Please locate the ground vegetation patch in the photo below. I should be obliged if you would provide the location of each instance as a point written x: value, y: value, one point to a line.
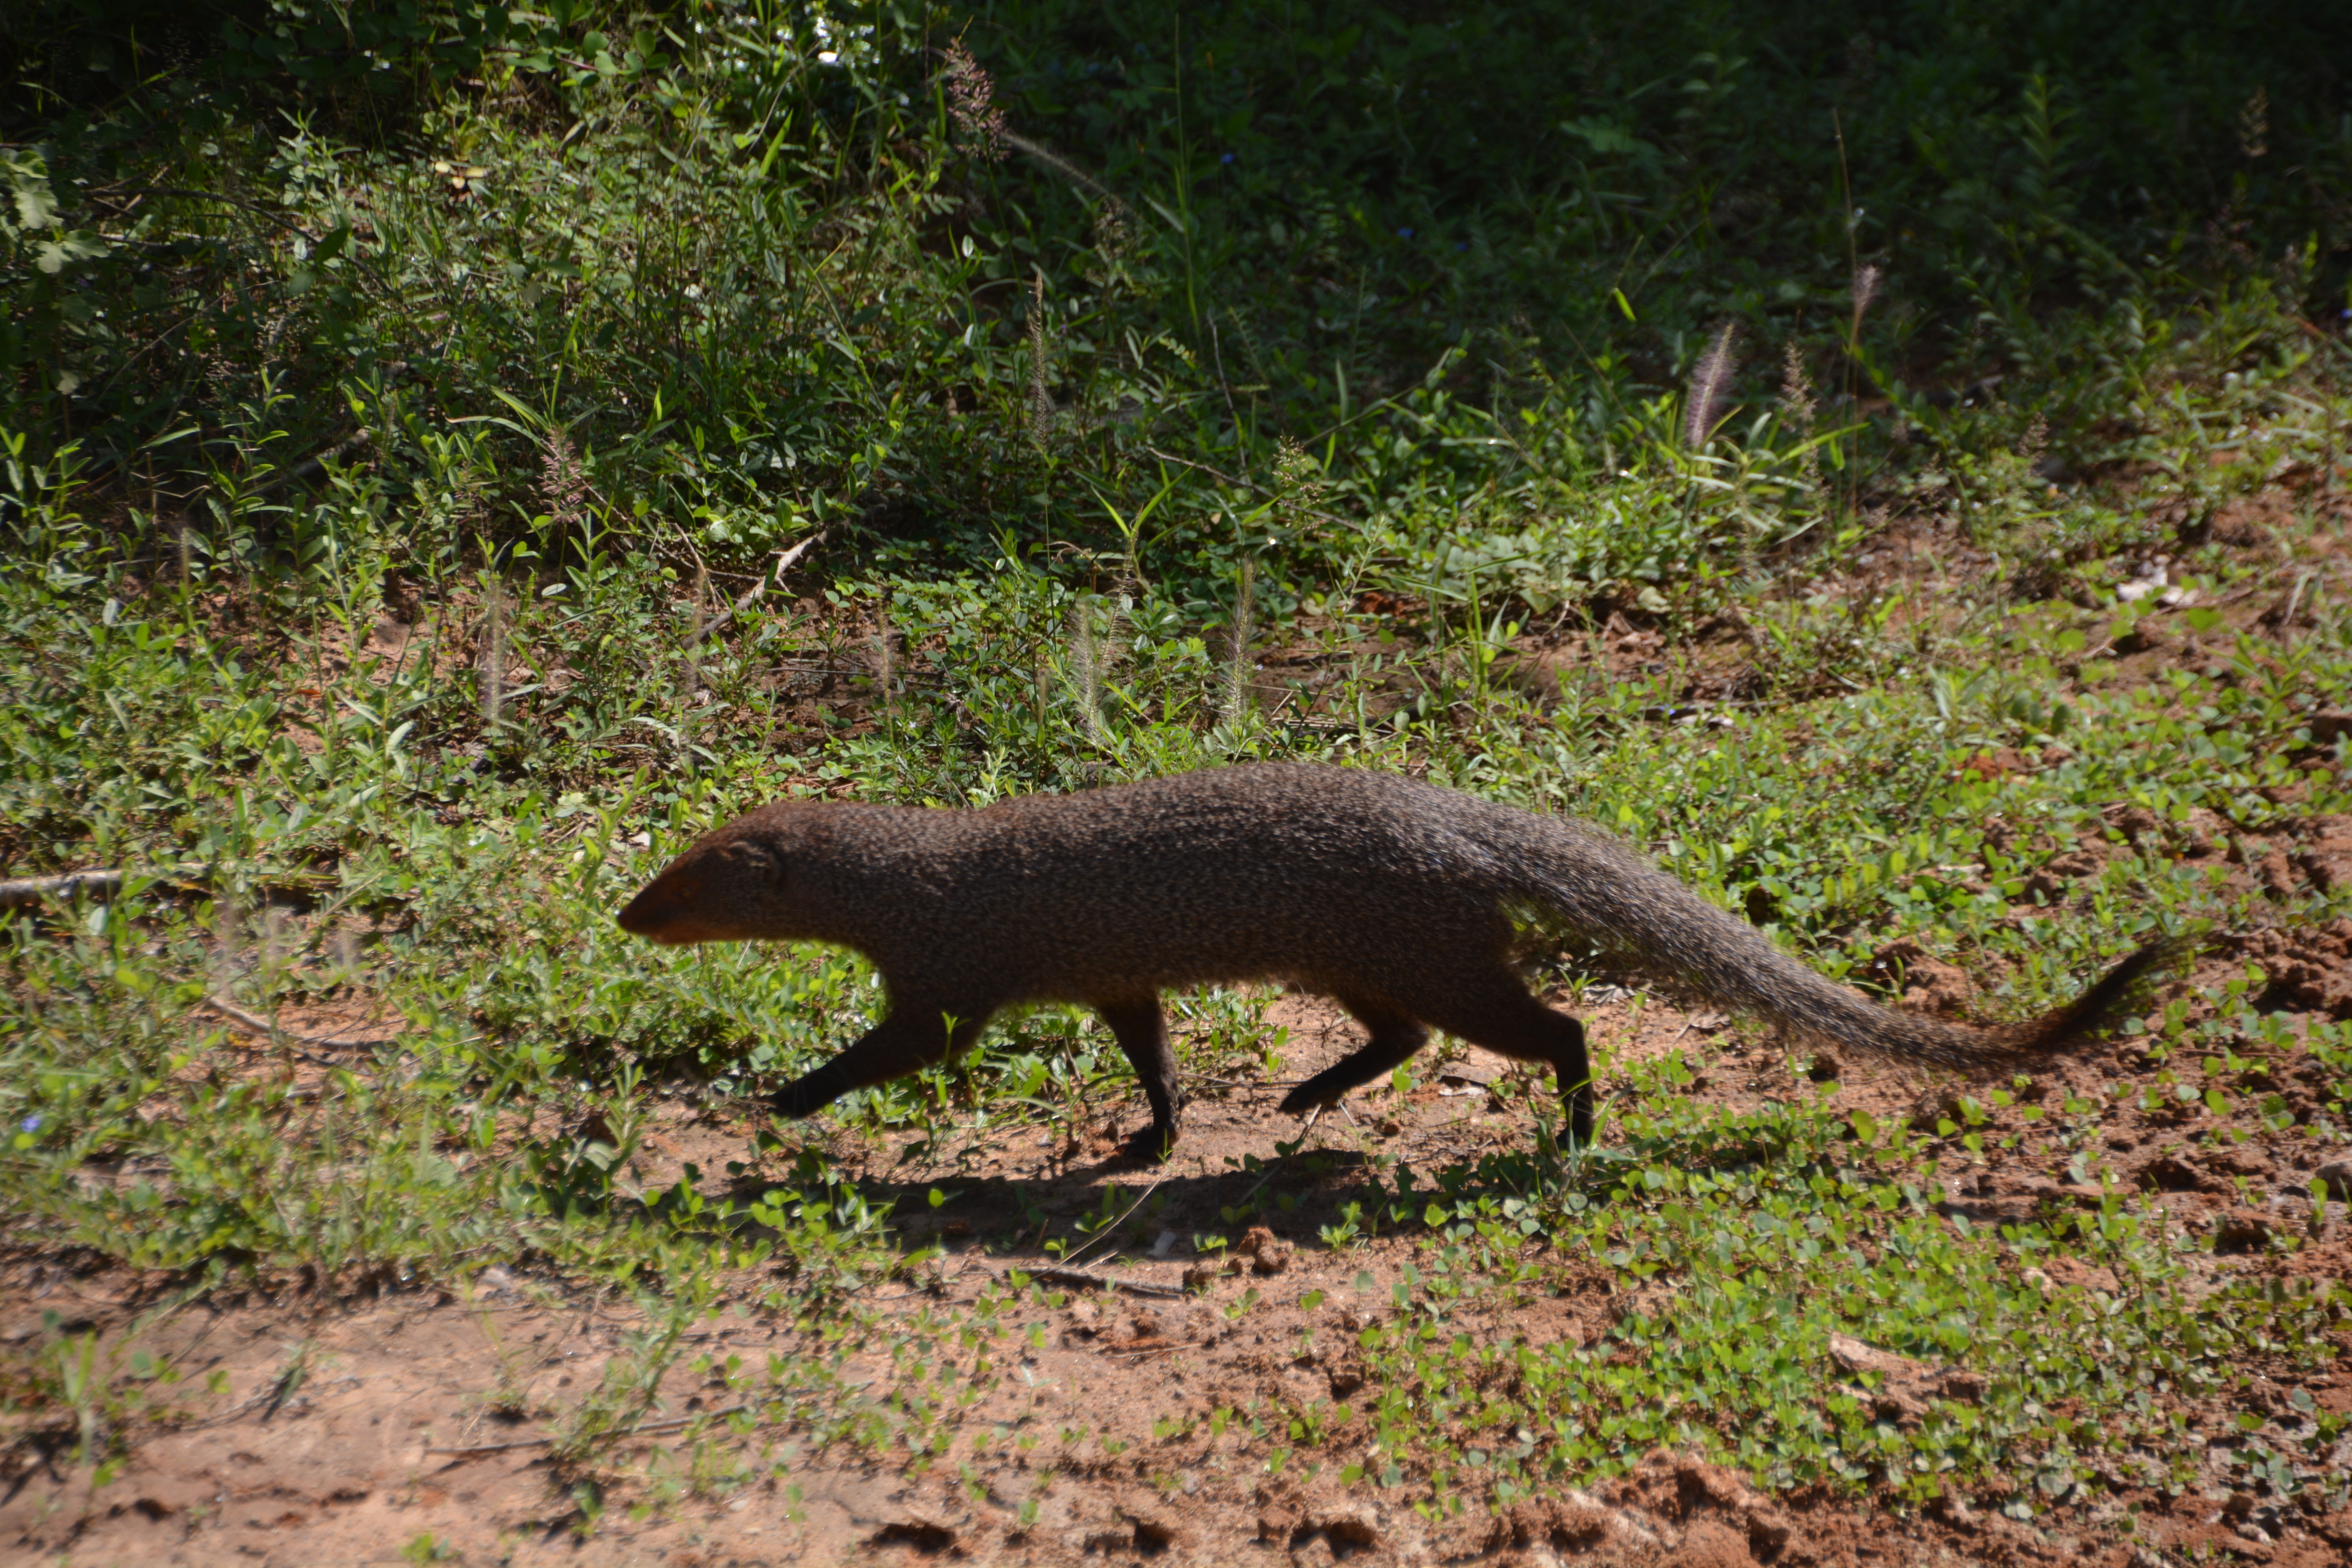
x: 453, y: 457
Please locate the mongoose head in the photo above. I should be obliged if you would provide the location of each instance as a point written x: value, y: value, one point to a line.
x: 732, y: 886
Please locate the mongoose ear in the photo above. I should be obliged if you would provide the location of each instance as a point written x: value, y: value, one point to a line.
x: 757, y: 858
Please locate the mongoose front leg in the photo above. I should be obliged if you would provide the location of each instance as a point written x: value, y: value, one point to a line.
x: 910, y: 1037
x: 1395, y: 1038
x: 1141, y: 1030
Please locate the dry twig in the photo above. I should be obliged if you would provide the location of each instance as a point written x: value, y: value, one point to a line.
x: 784, y: 562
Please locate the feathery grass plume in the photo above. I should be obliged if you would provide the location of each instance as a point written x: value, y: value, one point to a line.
x: 1865, y: 289
x: 1710, y: 387
x: 1237, y: 642
x: 2254, y: 125
x: 1866, y: 278
x: 1797, y: 398
x: 2035, y: 441
x: 1062, y: 166
x: 562, y: 487
x: 972, y: 101
x: 1113, y: 236
x: 1041, y: 403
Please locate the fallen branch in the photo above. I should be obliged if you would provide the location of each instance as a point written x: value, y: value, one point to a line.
x: 33, y: 890
x: 666, y: 1423
x: 1109, y: 1230
x: 1080, y: 1277
x: 784, y: 562
x: 641, y: 1429
x: 108, y: 882
x: 495, y: 1447
x: 1244, y: 1082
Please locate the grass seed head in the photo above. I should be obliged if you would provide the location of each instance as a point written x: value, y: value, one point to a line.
x: 1710, y: 386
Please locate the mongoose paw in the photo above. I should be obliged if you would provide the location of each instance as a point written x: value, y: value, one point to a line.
x: 1152, y: 1144
x: 810, y: 1092
x: 793, y: 1101
x: 1304, y: 1098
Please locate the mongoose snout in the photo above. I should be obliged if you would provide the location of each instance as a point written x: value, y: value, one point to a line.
x: 664, y: 913
x: 1408, y: 903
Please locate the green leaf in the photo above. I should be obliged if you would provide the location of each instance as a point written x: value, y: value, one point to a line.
x: 52, y: 255
x: 36, y: 206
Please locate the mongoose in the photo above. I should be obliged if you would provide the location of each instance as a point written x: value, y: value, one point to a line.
x: 1406, y: 903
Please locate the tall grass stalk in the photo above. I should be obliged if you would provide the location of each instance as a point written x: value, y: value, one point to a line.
x: 1086, y: 672
x: 1237, y: 643
x: 1041, y: 402
x: 689, y: 707
x: 492, y: 665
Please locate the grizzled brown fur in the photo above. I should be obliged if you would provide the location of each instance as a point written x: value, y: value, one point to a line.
x: 1406, y: 903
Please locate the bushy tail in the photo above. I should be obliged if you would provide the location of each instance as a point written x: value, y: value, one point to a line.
x: 1590, y: 888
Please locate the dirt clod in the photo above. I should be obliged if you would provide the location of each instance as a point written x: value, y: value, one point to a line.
x: 1269, y: 1253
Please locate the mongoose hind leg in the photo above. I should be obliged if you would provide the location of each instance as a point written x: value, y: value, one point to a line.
x: 910, y: 1038
x: 1502, y: 1017
x: 1141, y: 1030
x: 1395, y: 1038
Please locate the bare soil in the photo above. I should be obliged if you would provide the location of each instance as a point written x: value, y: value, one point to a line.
x: 414, y: 1420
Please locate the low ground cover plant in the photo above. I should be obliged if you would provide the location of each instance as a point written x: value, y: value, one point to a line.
x: 451, y: 457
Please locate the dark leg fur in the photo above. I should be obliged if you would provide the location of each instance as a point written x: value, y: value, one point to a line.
x: 1394, y: 1039
x: 910, y: 1037
x: 1141, y: 1030
x: 1499, y: 1016
x: 1505, y: 1019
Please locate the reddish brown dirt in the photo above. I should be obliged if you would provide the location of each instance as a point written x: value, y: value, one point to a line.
x: 417, y: 1415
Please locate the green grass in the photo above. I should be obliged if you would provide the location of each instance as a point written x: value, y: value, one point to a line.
x: 1394, y: 389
